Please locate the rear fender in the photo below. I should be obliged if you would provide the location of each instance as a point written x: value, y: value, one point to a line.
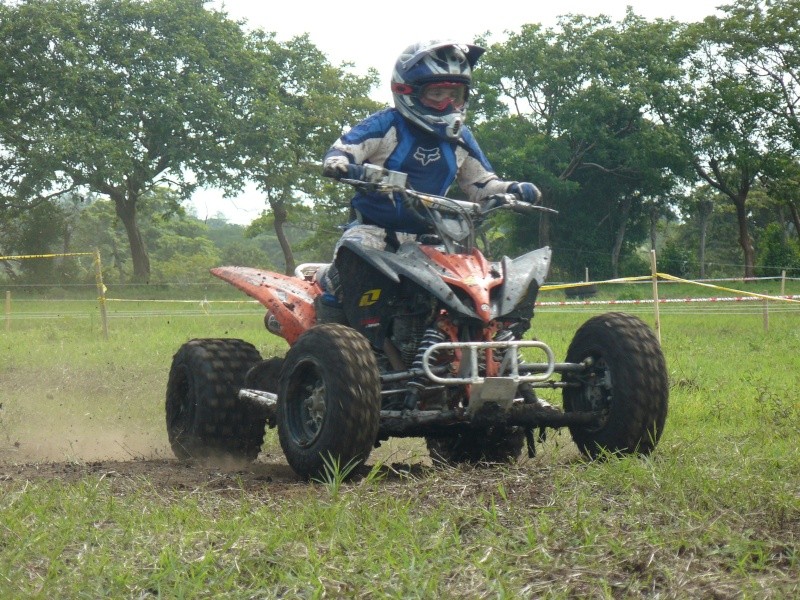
x: 289, y: 299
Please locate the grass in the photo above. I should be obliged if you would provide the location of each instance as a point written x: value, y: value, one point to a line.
x: 713, y: 513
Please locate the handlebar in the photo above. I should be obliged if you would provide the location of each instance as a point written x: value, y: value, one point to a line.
x: 377, y: 179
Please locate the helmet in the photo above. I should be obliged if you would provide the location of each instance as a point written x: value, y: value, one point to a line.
x: 431, y: 83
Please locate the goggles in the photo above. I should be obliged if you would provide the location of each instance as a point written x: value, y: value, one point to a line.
x: 441, y: 95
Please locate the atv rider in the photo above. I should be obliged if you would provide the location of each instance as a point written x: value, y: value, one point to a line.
x: 424, y: 136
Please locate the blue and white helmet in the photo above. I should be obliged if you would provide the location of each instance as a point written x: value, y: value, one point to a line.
x: 435, y: 62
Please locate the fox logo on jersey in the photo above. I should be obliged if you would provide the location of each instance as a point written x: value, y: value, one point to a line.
x: 427, y: 155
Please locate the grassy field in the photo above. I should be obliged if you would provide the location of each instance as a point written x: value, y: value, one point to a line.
x: 92, y: 504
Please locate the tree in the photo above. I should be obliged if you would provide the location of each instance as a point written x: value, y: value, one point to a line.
x: 181, y: 250
x: 569, y: 109
x: 699, y: 206
x: 724, y: 112
x: 120, y: 96
x: 784, y: 188
x: 763, y: 38
x: 33, y: 232
x: 777, y: 253
x: 316, y: 101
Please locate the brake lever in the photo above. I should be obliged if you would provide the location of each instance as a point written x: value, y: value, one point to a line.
x: 513, y: 202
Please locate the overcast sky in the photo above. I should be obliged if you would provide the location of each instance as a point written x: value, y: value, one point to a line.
x: 372, y: 34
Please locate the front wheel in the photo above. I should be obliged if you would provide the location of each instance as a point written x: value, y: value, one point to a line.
x: 626, y: 385
x: 205, y: 418
x: 329, y: 400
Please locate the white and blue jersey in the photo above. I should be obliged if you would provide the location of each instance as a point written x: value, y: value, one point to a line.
x: 432, y: 164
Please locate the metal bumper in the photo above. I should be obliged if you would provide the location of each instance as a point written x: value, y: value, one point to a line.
x: 470, y: 370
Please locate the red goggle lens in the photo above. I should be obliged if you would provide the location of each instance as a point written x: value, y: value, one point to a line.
x: 442, y: 95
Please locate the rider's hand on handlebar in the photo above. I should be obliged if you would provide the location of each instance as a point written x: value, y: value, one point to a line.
x: 335, y: 166
x: 527, y: 192
x: 493, y: 202
x: 339, y: 167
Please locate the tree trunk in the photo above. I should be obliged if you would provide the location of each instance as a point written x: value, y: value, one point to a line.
x: 739, y: 198
x: 619, y: 237
x: 279, y: 211
x: 653, y: 225
x: 126, y: 211
x: 744, y: 236
x: 706, y: 207
x: 795, y: 217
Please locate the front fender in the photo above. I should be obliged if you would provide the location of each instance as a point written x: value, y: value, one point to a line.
x: 520, y: 274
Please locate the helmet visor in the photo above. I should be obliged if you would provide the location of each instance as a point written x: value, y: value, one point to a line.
x: 441, y: 95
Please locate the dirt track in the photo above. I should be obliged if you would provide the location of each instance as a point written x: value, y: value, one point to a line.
x: 158, y: 469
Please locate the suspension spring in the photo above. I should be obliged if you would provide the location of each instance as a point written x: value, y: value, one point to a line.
x: 432, y: 336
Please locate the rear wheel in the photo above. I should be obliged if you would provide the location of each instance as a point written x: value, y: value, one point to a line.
x: 204, y: 416
x: 626, y: 384
x: 329, y: 400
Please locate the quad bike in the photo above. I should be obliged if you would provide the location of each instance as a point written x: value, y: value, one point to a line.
x: 433, y: 347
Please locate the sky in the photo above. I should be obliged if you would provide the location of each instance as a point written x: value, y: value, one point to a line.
x: 372, y: 34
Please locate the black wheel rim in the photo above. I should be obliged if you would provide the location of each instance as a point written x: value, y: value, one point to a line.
x: 596, y: 392
x: 306, y: 404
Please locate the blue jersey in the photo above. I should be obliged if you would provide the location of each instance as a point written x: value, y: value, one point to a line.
x: 432, y: 164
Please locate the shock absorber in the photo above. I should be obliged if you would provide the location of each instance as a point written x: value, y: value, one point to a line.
x: 504, y: 335
x: 432, y: 336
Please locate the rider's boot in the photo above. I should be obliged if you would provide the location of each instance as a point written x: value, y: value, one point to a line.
x: 328, y: 305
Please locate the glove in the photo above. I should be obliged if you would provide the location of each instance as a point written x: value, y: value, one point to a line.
x: 335, y: 166
x: 339, y: 167
x: 527, y: 192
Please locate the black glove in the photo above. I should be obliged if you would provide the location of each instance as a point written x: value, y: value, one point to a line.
x: 527, y: 192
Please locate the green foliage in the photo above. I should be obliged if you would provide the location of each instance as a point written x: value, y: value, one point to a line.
x: 777, y: 253
x: 335, y: 474
x: 678, y: 260
x: 36, y: 232
x: 578, y: 96
x: 116, y: 98
x: 246, y: 253
x: 634, y: 264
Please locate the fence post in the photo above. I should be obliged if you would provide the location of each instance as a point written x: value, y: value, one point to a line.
x: 654, y: 272
x: 783, y: 282
x: 101, y: 292
x: 8, y: 310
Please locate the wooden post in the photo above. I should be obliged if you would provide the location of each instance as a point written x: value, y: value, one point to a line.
x: 783, y: 282
x: 8, y: 310
x: 586, y: 277
x: 654, y: 272
x: 101, y: 292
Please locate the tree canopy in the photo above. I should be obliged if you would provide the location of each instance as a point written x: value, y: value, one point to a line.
x: 114, y: 111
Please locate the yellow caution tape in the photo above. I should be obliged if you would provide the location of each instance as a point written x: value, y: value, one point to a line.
x: 666, y: 277
x: 564, y: 286
x: 46, y: 255
x: 207, y: 302
x: 725, y: 289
